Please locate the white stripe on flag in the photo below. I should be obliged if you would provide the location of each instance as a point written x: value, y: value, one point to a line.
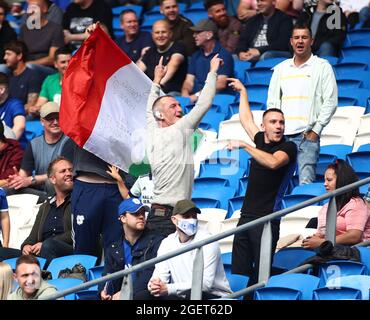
x: 120, y: 127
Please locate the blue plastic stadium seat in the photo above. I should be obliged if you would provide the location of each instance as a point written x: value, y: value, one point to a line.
x: 223, y: 101
x: 358, y: 37
x: 254, y: 105
x: 344, y: 101
x: 184, y: 101
x: 224, y: 156
x: 216, y: 193
x: 338, y: 150
x: 237, y: 282
x: 360, y: 282
x: 204, y: 183
x: 290, y: 258
x: 269, y: 63
x: 235, y: 203
x: 277, y: 293
x: 33, y: 129
x: 243, y: 182
x: 230, y: 171
x: 340, y: 268
x: 360, y: 94
x: 257, y: 92
x: 138, y: 10
x: 315, y: 189
x: 293, y: 199
x: 347, y: 68
x: 66, y: 283
x: 359, y: 161
x: 356, y: 54
x: 258, y: 75
x: 226, y: 258
x: 202, y: 202
x: 342, y: 293
x: 239, y: 69
x: 211, y: 121
x: 364, y: 147
x: 195, y: 15
x: 297, y: 281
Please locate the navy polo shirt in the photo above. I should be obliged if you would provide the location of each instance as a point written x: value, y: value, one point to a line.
x: 199, y: 65
x: 133, y: 48
x: 53, y: 224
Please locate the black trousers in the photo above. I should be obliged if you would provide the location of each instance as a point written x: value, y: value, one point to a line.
x: 246, y: 248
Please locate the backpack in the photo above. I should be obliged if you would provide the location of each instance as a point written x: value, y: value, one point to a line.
x: 78, y: 272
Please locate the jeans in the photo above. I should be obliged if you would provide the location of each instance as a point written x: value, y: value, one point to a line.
x: 308, y: 154
x: 52, y: 248
x: 326, y: 49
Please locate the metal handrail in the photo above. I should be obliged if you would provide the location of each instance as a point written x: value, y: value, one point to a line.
x: 198, y: 244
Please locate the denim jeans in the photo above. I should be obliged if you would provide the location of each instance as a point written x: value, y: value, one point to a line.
x: 308, y: 154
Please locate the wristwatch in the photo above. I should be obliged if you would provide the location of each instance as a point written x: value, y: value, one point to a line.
x: 33, y: 180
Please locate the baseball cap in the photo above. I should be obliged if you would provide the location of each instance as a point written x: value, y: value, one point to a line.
x: 131, y: 205
x: 205, y: 25
x: 48, y: 108
x: 183, y: 206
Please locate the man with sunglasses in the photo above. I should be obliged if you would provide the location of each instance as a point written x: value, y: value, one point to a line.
x: 32, y: 177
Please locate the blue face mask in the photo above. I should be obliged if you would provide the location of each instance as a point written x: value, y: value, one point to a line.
x: 188, y: 226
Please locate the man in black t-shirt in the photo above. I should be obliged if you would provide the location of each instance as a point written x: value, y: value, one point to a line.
x: 272, y: 165
x: 174, y: 58
x: 82, y: 13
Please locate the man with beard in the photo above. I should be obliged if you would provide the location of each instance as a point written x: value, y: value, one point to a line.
x: 180, y: 26
x: 24, y: 83
x: 228, y: 27
x: 50, y: 236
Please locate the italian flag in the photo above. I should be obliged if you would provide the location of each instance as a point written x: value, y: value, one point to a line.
x: 104, y: 96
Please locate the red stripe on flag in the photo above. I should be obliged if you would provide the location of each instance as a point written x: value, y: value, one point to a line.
x: 84, y: 84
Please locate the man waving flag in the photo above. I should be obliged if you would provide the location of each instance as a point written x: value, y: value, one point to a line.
x: 103, y: 103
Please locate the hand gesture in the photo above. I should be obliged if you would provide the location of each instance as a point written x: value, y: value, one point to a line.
x: 91, y: 28
x: 236, y: 84
x: 159, y: 71
x: 114, y: 173
x: 215, y: 63
x: 235, y: 144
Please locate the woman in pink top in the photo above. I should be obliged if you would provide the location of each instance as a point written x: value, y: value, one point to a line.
x: 353, y: 223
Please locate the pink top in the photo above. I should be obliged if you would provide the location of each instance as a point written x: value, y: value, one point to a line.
x: 354, y: 215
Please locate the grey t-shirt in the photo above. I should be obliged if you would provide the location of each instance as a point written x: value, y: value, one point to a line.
x: 39, y: 41
x: 315, y: 22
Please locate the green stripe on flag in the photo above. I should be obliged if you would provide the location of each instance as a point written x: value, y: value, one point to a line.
x: 139, y: 169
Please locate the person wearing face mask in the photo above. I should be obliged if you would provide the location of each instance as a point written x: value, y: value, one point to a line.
x: 172, y: 278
